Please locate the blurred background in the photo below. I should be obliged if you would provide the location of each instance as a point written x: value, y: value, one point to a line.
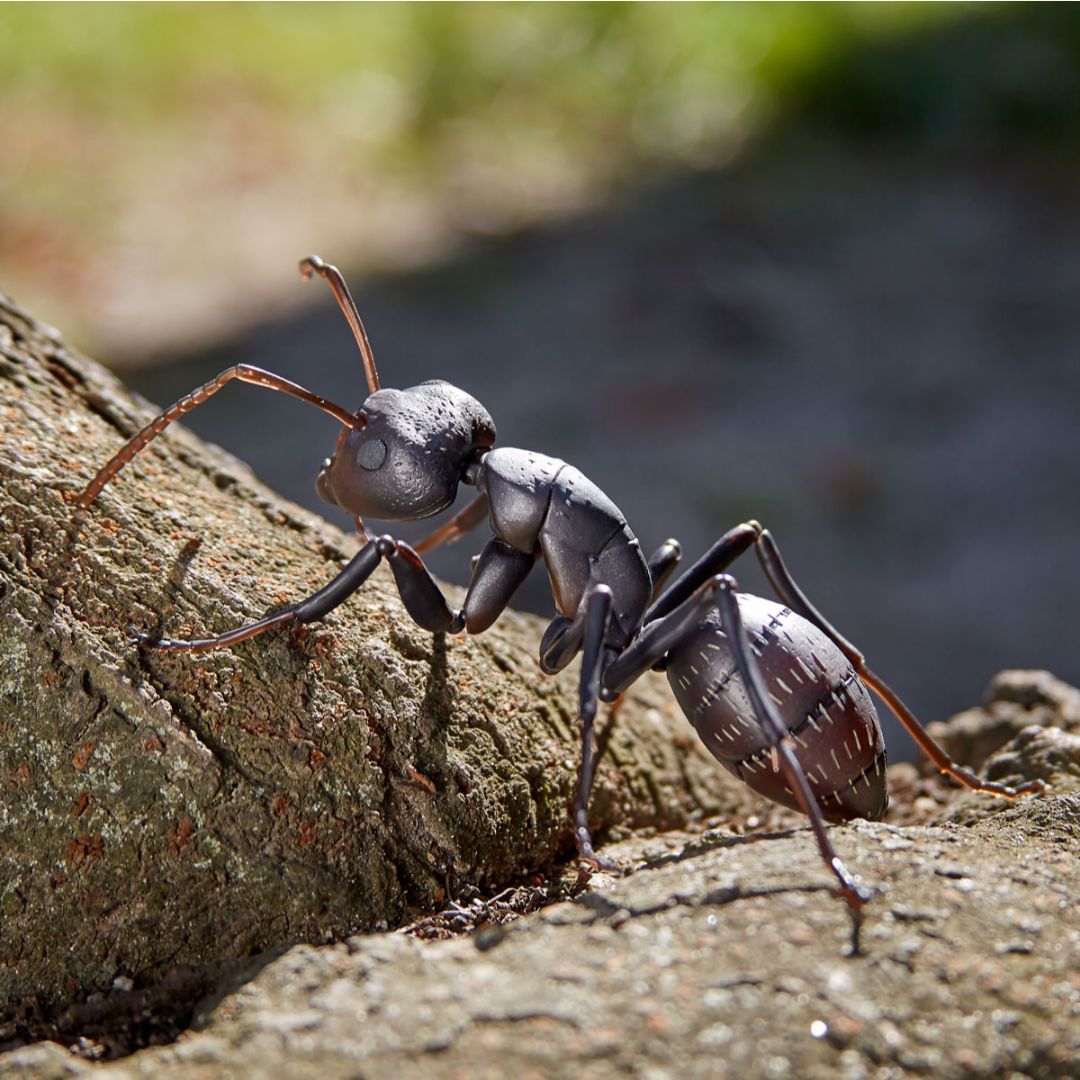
x: 815, y: 264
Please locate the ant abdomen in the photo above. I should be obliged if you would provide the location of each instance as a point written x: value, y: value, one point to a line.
x: 830, y: 718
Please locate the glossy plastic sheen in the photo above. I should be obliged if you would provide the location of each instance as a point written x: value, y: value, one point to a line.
x: 540, y: 504
x: 830, y: 717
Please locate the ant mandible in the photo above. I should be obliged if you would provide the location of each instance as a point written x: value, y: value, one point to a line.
x: 777, y: 695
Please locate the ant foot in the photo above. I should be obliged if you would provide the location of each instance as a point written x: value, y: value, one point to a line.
x: 1029, y: 787
x: 588, y: 857
x: 595, y: 864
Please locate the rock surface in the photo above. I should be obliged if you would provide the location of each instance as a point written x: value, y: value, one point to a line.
x: 720, y: 956
x: 1014, y: 700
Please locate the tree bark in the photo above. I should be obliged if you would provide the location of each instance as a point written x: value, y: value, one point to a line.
x: 159, y: 810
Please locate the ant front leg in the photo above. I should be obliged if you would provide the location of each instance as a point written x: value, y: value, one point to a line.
x: 356, y: 572
x: 422, y: 597
x: 500, y: 570
x: 419, y: 592
x: 456, y: 527
x: 788, y: 591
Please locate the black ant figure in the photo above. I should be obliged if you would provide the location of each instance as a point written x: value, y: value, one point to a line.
x: 775, y: 692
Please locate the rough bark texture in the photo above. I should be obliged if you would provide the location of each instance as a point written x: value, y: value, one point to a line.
x: 160, y: 811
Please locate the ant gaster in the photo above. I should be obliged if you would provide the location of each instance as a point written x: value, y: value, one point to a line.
x: 777, y: 695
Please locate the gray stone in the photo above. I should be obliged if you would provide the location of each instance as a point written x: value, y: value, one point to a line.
x: 729, y: 962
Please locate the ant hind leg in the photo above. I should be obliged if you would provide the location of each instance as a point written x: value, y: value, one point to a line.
x: 788, y: 591
x: 597, y: 607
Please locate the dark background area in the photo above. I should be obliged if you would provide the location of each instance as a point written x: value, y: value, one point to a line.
x: 853, y: 316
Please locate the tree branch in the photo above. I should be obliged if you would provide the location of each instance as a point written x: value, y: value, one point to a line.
x: 159, y: 809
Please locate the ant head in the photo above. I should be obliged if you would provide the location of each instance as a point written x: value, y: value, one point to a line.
x: 405, y: 451
x: 407, y: 459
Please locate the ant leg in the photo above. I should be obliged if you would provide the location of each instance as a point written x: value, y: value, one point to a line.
x: 498, y: 575
x: 356, y: 572
x: 561, y: 641
x: 230, y: 637
x: 718, y: 558
x: 784, y: 585
x: 243, y: 372
x: 421, y: 595
x: 727, y: 602
x: 793, y: 596
x: 500, y: 569
x: 654, y: 641
x: 662, y: 565
x: 597, y: 617
x: 456, y: 527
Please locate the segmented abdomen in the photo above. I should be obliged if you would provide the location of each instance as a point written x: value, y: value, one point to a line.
x: 828, y: 712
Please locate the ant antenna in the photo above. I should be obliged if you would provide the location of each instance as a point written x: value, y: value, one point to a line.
x: 312, y: 264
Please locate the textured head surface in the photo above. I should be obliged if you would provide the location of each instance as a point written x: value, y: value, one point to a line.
x: 407, y: 460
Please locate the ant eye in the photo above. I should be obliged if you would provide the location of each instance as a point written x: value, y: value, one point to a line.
x: 371, y: 455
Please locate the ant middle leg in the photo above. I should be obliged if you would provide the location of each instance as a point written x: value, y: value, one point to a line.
x: 564, y: 638
x: 655, y: 640
x: 662, y: 564
x: 561, y: 642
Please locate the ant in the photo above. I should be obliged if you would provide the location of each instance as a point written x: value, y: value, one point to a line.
x: 777, y: 694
